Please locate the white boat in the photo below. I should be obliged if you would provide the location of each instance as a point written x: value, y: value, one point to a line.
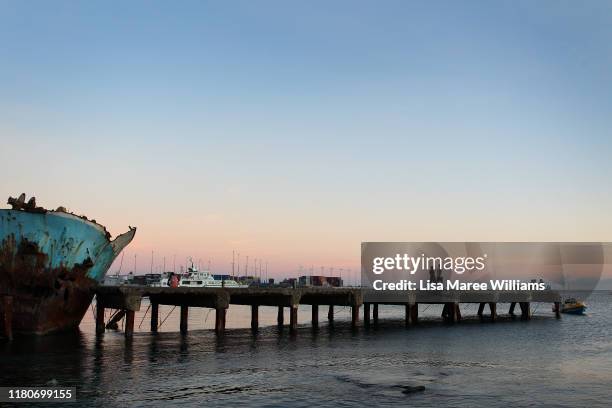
x: 163, y: 281
x: 203, y: 279
x: 115, y: 280
x: 194, y: 278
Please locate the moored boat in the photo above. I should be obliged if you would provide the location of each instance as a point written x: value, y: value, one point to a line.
x: 573, y: 306
x: 195, y: 278
x: 203, y: 279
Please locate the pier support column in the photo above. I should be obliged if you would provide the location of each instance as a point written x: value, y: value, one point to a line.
x: 220, y: 315
x: 557, y: 309
x: 448, y: 312
x: 414, y: 313
x: 315, y: 316
x: 293, y: 319
x: 184, y: 319
x: 330, y: 314
x: 366, y: 314
x: 7, y: 318
x: 493, y: 309
x: 511, y: 311
x: 129, y: 323
x: 525, y: 310
x: 375, y: 314
x: 280, y: 316
x: 354, y: 315
x: 407, y: 317
x: 254, y: 317
x: 154, y: 317
x: 481, y: 309
x: 100, y: 325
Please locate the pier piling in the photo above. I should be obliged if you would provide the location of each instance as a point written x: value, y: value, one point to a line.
x: 407, y: 317
x: 280, y: 317
x: 414, y: 313
x: 330, y: 314
x: 154, y: 316
x: 481, y: 309
x: 293, y: 319
x: 375, y: 314
x: 493, y: 309
x: 220, y: 316
x: 451, y: 313
x: 184, y: 319
x: 315, y: 316
x: 525, y: 310
x: 100, y: 324
x: 511, y: 311
x: 447, y: 314
x: 254, y: 317
x: 366, y: 314
x: 354, y: 315
x: 129, y: 324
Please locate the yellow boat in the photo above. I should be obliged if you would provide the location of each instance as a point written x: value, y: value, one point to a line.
x: 573, y: 306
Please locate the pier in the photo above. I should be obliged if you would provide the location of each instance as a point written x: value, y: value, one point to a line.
x: 127, y: 299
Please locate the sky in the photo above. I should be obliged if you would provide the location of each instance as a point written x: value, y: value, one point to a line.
x: 292, y: 131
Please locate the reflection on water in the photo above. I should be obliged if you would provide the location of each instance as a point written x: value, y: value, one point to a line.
x: 543, y: 361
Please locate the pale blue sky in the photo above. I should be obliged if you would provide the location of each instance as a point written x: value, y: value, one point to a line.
x: 295, y: 130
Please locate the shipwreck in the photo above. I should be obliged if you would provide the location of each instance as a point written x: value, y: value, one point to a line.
x: 50, y: 262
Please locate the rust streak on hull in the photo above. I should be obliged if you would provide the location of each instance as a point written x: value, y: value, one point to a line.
x: 44, y: 299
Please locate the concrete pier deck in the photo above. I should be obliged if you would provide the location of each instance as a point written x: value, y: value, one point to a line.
x: 127, y: 298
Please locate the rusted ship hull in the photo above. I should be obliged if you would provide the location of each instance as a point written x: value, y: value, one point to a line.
x: 49, y: 263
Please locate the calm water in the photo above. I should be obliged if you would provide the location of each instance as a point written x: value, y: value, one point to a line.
x: 540, y: 362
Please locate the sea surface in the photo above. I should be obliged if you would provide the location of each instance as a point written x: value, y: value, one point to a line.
x: 541, y: 362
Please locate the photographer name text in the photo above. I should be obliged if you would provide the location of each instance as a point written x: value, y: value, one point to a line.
x: 493, y: 284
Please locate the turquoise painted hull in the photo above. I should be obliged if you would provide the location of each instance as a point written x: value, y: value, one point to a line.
x: 49, y: 263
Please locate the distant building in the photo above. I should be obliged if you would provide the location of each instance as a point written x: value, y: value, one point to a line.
x: 247, y: 280
x: 318, y: 280
x: 289, y: 282
x: 145, y: 280
x: 335, y: 281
